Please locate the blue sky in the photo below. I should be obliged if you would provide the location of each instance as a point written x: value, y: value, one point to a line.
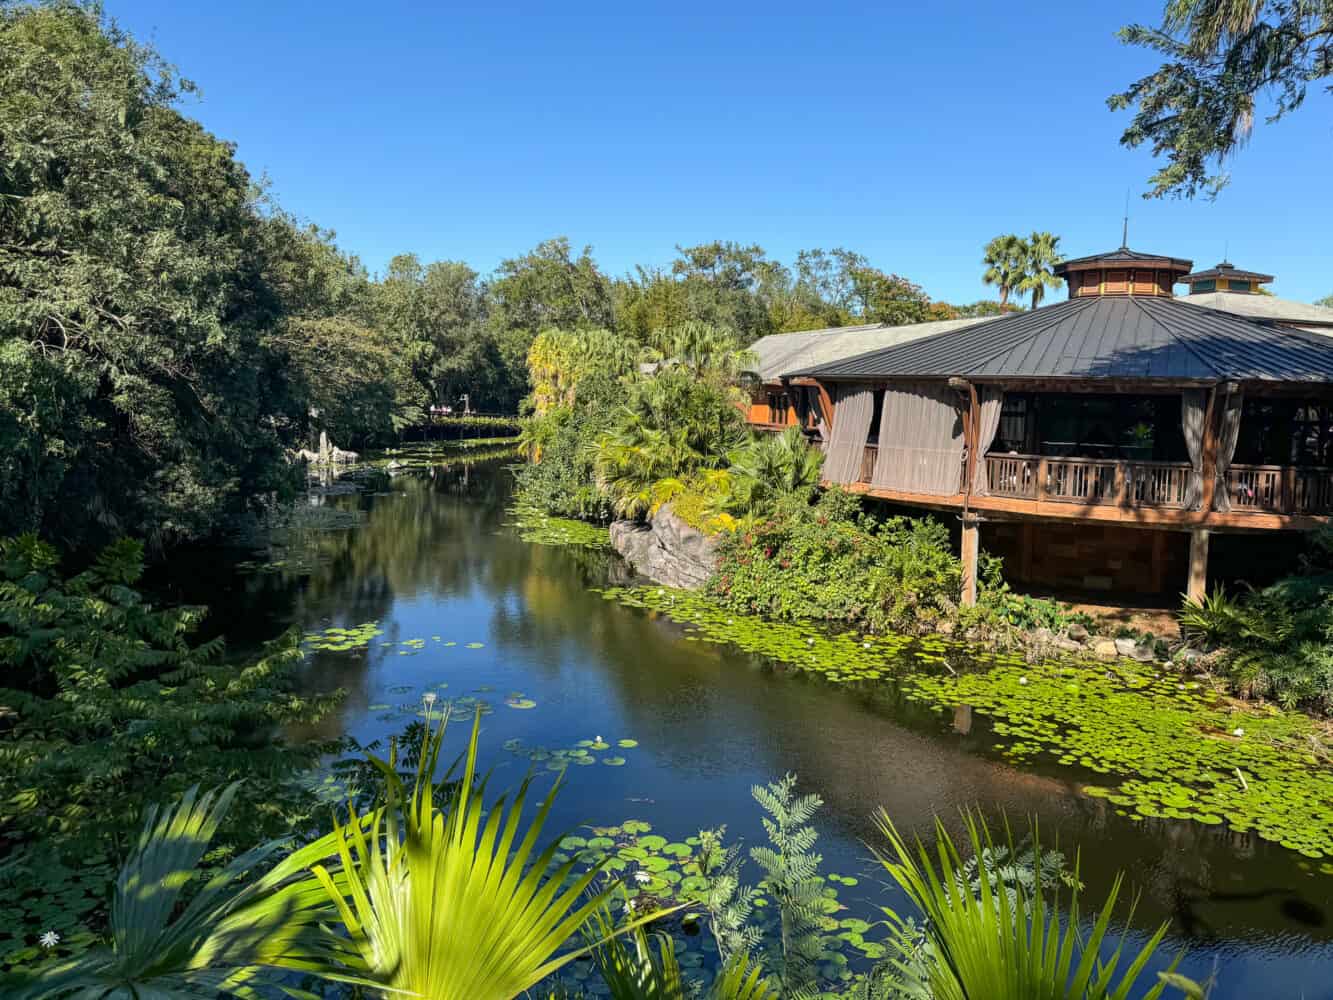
x: 910, y: 132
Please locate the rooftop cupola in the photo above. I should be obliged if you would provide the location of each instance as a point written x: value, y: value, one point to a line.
x: 1122, y: 272
x: 1226, y: 277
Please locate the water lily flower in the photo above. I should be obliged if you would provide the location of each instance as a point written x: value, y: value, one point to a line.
x: 865, y: 645
x: 429, y: 698
x: 1237, y: 732
x: 1022, y: 680
x: 642, y: 877
x: 49, y: 940
x: 809, y: 642
x: 629, y: 905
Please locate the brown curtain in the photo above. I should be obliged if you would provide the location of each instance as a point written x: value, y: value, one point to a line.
x: 1193, y: 409
x: 1228, y: 433
x: 852, y: 414
x: 920, y: 440
x: 992, y: 402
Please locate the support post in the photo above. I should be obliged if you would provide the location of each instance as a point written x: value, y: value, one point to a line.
x: 970, y: 547
x: 1197, y: 586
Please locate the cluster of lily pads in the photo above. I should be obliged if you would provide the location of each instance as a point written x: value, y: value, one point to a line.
x: 542, y: 529
x: 336, y: 639
x: 584, y: 754
x: 839, y: 657
x: 1168, y: 746
x: 648, y: 871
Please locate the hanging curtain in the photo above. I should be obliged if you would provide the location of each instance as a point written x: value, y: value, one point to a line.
x: 1193, y: 409
x: 920, y: 440
x: 852, y: 414
x: 992, y: 402
x: 1228, y: 433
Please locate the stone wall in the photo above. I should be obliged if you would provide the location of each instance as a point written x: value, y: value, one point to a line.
x: 667, y: 550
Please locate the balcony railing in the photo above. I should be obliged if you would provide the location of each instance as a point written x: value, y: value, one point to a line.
x: 1088, y: 480
x: 1282, y: 489
x: 1273, y: 489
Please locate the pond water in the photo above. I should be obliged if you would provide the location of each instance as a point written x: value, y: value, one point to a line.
x: 507, y: 621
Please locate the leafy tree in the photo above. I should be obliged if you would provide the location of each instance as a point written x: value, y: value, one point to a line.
x: 134, y: 293
x: 1006, y: 261
x: 1041, y: 254
x: 1326, y: 302
x: 981, y: 309
x: 726, y: 285
x: 1199, y: 106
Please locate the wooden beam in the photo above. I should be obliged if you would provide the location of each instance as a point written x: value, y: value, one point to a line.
x: 970, y: 547
x: 1169, y: 519
x: 825, y: 405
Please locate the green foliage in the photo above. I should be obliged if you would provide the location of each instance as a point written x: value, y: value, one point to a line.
x: 792, y: 880
x: 770, y: 467
x: 999, y: 606
x: 831, y: 561
x: 1014, y: 264
x: 729, y: 903
x: 1008, y: 944
x: 1277, y: 642
x: 114, y: 707
x: 1199, y: 106
x: 225, y: 936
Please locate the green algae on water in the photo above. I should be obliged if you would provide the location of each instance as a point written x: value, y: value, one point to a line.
x: 542, y: 529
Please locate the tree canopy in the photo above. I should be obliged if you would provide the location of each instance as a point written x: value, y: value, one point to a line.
x: 1222, y: 56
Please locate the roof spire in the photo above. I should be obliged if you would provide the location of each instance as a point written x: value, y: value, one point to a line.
x: 1124, y: 232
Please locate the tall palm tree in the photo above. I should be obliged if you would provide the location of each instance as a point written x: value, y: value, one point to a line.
x: 1041, y: 256
x: 1006, y: 261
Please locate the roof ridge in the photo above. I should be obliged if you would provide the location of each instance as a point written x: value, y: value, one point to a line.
x: 1175, y: 335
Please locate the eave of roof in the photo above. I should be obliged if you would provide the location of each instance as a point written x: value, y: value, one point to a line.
x: 1124, y: 255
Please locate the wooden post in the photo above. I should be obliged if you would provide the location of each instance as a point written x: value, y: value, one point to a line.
x: 1288, y: 500
x: 971, y: 545
x: 1197, y: 586
x: 1041, y: 478
x: 826, y: 405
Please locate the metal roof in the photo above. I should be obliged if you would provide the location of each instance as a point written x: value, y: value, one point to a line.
x: 1226, y: 269
x: 779, y: 353
x: 1267, y: 307
x: 1106, y: 337
x: 1124, y: 255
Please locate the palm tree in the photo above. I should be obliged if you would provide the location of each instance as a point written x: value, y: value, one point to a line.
x: 771, y: 466
x: 1042, y: 253
x: 1005, y: 260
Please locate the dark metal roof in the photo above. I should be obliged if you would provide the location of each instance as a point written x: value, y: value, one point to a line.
x: 1124, y: 337
x: 1123, y: 256
x: 1226, y: 269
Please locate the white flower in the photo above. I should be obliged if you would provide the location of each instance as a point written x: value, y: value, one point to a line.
x: 865, y: 645
x: 429, y: 698
x: 1022, y: 680
x: 642, y: 877
x: 809, y: 642
x: 49, y: 940
x: 1237, y: 732
x: 660, y: 591
x: 629, y: 905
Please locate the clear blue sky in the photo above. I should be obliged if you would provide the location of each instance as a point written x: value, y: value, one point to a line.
x: 912, y: 133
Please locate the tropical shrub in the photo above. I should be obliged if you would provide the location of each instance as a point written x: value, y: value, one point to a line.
x: 111, y: 706
x: 772, y: 466
x: 1014, y: 942
x: 1276, y: 642
x: 831, y: 561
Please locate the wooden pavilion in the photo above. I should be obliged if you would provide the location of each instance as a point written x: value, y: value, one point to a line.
x: 1100, y: 441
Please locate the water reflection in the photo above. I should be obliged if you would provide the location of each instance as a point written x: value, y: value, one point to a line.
x: 433, y: 558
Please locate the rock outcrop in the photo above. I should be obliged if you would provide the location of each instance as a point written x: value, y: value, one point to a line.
x: 667, y: 550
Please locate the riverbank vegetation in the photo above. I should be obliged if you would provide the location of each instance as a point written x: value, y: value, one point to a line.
x: 414, y: 892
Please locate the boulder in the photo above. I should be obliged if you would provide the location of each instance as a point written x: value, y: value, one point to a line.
x: 1077, y: 632
x: 1106, y: 649
x: 667, y: 550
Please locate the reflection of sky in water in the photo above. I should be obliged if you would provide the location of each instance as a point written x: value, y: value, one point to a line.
x: 433, y: 559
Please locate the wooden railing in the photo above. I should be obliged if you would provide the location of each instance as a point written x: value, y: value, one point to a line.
x: 1088, y: 480
x: 1280, y: 489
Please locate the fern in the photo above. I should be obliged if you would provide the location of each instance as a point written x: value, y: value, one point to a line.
x: 729, y: 903
x: 792, y: 879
